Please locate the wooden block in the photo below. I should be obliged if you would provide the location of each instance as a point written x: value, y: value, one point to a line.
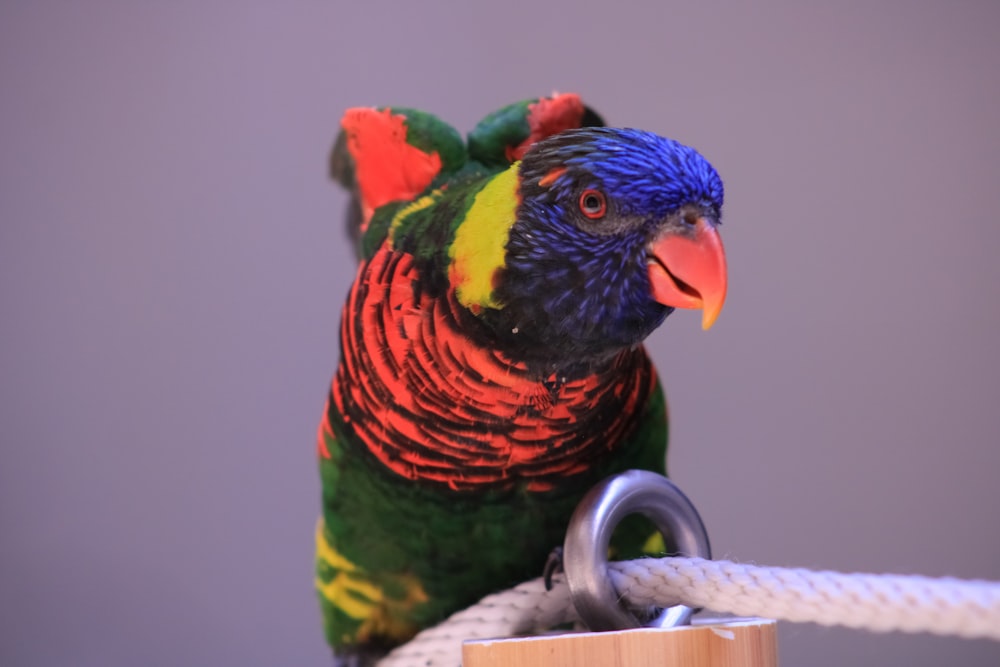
x: 720, y: 643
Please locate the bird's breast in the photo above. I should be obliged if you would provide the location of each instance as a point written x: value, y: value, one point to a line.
x: 429, y: 403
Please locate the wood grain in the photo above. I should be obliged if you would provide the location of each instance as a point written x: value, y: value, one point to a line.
x: 729, y: 643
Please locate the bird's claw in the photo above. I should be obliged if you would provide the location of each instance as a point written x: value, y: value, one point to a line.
x: 553, y: 566
x: 356, y: 657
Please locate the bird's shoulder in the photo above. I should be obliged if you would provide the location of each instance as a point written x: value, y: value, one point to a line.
x: 392, y: 157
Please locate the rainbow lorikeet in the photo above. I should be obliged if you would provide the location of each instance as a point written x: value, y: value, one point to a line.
x: 491, y: 361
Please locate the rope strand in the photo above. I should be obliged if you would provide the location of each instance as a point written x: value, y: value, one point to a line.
x: 876, y: 602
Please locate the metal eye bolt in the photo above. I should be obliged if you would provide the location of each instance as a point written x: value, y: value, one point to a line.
x: 585, y: 551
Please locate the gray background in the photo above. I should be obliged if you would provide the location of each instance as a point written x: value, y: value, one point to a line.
x: 172, y: 270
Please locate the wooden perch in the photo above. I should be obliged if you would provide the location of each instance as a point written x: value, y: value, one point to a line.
x: 709, y: 643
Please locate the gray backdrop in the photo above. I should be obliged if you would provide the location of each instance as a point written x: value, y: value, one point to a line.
x: 172, y: 270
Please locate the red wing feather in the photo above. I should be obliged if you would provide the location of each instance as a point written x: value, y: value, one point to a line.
x: 549, y: 116
x: 386, y: 167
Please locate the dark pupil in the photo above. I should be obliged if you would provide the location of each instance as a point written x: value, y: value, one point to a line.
x: 592, y: 203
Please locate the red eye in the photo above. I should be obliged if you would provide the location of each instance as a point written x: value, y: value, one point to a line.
x: 593, y: 204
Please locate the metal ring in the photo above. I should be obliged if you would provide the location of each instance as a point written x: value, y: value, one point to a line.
x: 585, y: 551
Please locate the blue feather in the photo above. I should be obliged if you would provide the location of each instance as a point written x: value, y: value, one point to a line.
x: 577, y: 290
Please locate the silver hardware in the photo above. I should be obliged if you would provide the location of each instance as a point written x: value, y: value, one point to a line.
x: 585, y: 551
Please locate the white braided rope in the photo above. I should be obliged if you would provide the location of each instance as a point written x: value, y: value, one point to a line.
x: 877, y: 602
x: 523, y: 609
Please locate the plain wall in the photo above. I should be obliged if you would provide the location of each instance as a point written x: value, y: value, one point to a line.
x: 172, y: 268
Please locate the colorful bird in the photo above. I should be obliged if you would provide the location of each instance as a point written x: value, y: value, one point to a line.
x: 491, y: 362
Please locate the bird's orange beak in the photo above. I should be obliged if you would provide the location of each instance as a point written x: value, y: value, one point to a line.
x: 690, y: 272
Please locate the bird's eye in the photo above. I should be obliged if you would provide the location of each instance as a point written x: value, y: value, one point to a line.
x: 593, y: 204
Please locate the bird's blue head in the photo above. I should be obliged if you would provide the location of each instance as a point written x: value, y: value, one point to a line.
x: 615, y: 228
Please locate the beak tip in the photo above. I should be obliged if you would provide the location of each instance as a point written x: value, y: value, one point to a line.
x: 710, y: 312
